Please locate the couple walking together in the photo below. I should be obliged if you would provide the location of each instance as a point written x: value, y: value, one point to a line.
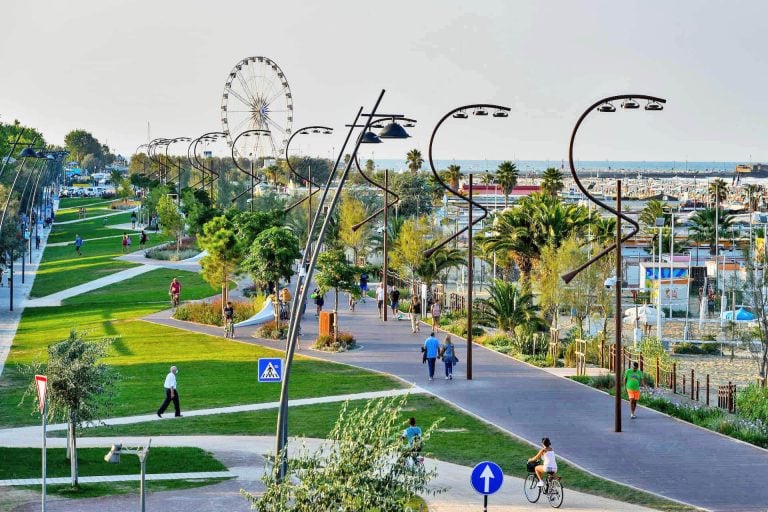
x: 432, y: 350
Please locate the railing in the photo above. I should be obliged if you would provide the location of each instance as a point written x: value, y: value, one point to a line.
x: 666, y: 375
x: 457, y: 303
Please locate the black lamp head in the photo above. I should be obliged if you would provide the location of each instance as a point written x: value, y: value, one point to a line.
x: 606, y: 107
x: 654, y: 105
x: 460, y: 115
x: 501, y: 113
x: 28, y: 153
x: 630, y: 104
x: 328, y: 131
x: 480, y: 112
x: 370, y: 138
x: 393, y: 131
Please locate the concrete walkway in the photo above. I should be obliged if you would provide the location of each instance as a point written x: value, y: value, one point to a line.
x: 244, y: 457
x: 530, y: 403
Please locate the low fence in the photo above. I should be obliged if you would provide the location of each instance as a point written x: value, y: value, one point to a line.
x: 693, y: 386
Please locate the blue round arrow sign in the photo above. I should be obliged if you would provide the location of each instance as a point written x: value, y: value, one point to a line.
x: 487, y: 477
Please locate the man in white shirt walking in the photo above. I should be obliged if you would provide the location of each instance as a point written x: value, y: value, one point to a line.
x: 171, y: 394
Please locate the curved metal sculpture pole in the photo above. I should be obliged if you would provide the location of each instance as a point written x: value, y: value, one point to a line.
x: 192, y: 163
x: 152, y: 154
x: 386, y: 191
x: 13, y: 148
x: 472, y: 202
x: 308, y: 179
x: 568, y: 277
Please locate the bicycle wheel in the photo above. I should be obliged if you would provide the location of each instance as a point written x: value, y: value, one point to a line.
x: 532, y: 492
x: 555, y: 493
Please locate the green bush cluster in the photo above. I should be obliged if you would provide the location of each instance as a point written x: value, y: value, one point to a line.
x: 164, y: 254
x: 210, y: 313
x: 344, y: 341
x: 459, y: 328
x: 752, y: 403
x: 709, y: 349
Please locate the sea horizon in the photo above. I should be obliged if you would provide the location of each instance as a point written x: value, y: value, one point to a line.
x: 538, y: 166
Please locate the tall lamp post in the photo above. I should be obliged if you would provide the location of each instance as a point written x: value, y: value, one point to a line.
x: 197, y: 164
x: 325, y: 130
x: 605, y: 105
x: 252, y: 173
x: 13, y: 148
x: 480, y: 110
x: 177, y: 179
x: 300, y: 295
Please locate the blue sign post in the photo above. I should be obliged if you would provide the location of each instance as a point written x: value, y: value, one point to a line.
x: 270, y: 369
x: 486, y: 479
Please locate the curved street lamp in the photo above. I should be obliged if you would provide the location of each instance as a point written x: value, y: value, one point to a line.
x: 152, y: 148
x: 195, y: 161
x: 325, y: 130
x: 628, y: 102
x: 480, y: 110
x: 252, y: 173
x: 177, y: 179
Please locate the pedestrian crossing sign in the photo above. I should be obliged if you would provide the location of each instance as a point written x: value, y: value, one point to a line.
x: 270, y: 369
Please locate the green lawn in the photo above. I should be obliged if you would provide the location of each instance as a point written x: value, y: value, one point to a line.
x: 213, y: 371
x: 92, y: 209
x: 113, y: 488
x: 76, y: 202
x: 91, y: 228
x: 460, y: 439
x: 149, y: 287
x: 62, y: 268
x: 26, y: 462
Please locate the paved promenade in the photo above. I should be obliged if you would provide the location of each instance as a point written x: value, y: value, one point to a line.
x: 655, y: 453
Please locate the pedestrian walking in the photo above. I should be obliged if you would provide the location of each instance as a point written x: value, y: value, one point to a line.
x: 380, y: 299
x: 414, y: 309
x: 133, y: 220
x: 37, y: 241
x: 2, y: 273
x: 435, y: 311
x: 143, y: 238
x: 633, y: 379
x: 319, y: 299
x: 124, y: 242
x: 171, y: 394
x: 394, y: 300
x: 431, y: 351
x: 363, y: 286
x: 78, y: 244
x: 448, y: 353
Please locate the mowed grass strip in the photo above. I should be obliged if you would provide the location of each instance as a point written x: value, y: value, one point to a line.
x: 213, y: 371
x: 149, y: 287
x: 460, y: 439
x: 91, y: 228
x: 26, y: 462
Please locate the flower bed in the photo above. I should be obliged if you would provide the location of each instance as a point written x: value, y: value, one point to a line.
x: 167, y: 252
x: 272, y: 331
x: 344, y: 341
x: 210, y: 313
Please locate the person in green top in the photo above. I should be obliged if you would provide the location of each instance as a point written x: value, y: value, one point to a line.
x: 633, y: 379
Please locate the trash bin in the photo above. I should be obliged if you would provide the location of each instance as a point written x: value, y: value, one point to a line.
x: 327, y: 323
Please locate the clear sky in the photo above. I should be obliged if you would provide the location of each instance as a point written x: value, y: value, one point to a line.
x: 112, y: 66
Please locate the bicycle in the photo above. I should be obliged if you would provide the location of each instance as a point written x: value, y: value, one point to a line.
x: 552, y: 489
x: 174, y: 300
x: 229, y: 328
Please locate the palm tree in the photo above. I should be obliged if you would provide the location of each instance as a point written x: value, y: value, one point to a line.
x: 718, y: 190
x: 394, y: 224
x: 754, y: 195
x: 552, y: 181
x: 653, y: 210
x: 443, y: 259
x: 414, y: 160
x: 509, y: 306
x: 538, y: 221
x: 506, y: 177
x: 487, y: 178
x: 703, y: 228
x: 453, y: 175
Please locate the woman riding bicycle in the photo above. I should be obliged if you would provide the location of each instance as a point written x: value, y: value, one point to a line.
x: 229, y: 314
x: 547, y: 456
x: 175, y: 292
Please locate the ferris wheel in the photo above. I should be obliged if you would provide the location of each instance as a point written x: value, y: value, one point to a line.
x: 257, y: 99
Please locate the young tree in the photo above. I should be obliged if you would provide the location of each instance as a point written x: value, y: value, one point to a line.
x: 80, y: 386
x: 756, y: 294
x: 171, y: 219
x: 352, y: 211
x: 198, y: 208
x: 408, y: 249
x: 439, y: 262
x: 271, y: 257
x: 224, y: 253
x: 125, y: 190
x: 361, y: 467
x: 509, y: 306
x: 333, y: 271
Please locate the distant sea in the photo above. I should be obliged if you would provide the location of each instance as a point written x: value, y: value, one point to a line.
x: 538, y: 166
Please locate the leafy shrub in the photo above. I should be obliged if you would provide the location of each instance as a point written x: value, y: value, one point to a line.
x: 752, y: 403
x: 712, y: 349
x: 270, y: 330
x: 459, y: 328
x: 584, y: 379
x: 210, y: 313
x: 170, y: 254
x: 344, y: 341
x: 607, y: 381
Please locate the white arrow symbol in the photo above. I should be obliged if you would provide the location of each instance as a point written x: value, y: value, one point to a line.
x: 486, y: 475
